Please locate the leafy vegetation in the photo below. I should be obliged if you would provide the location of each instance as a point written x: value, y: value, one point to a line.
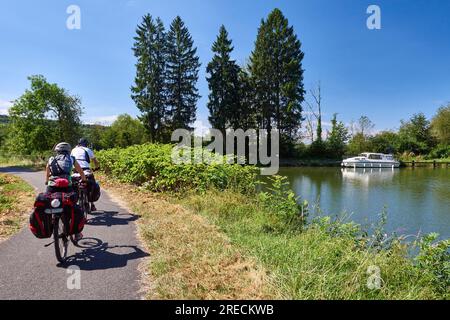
x: 309, y: 258
x: 152, y: 166
x: 325, y: 258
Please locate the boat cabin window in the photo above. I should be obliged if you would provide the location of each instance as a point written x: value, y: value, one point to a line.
x: 389, y: 158
x: 375, y: 157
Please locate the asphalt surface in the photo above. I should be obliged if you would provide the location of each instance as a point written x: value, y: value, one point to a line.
x: 106, y: 267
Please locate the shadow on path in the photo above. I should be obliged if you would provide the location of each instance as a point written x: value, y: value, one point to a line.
x: 99, y: 255
x: 111, y: 218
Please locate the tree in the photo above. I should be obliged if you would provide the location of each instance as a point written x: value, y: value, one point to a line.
x: 365, y: 125
x: 440, y: 125
x: 124, y: 131
x: 223, y: 82
x: 315, y: 108
x: 149, y: 92
x: 415, y: 135
x: 42, y: 116
x: 359, y: 141
x: 336, y: 142
x: 277, y: 76
x: 384, y: 142
x: 182, y: 75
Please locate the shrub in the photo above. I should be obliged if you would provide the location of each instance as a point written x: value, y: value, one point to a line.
x: 151, y: 165
x: 434, y: 259
x: 280, y: 202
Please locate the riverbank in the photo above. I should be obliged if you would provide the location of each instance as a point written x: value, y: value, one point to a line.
x: 16, y: 199
x: 302, y: 258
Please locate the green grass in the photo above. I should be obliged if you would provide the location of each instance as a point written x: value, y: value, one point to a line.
x: 315, y: 263
x: 15, y: 201
x: 22, y: 161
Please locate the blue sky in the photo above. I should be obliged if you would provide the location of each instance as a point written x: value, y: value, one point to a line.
x: 386, y: 74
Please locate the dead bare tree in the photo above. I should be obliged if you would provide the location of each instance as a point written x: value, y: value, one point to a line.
x: 315, y: 108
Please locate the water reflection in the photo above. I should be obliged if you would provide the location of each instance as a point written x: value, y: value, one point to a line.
x: 366, y: 177
x: 417, y: 200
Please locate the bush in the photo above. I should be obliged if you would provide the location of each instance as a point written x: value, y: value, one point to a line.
x: 440, y: 152
x: 151, y: 165
x: 284, y: 212
x: 434, y: 260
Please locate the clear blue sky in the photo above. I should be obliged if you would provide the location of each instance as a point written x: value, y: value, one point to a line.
x: 387, y: 74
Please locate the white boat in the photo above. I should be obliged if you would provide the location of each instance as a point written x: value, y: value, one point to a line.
x: 371, y: 160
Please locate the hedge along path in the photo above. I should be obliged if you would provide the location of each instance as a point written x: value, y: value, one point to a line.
x: 189, y: 257
x: 16, y: 201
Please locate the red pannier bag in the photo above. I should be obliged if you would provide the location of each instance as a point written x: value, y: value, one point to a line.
x: 41, y: 224
x: 74, y: 219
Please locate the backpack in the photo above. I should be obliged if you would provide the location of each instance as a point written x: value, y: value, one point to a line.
x: 61, y: 165
x: 41, y: 224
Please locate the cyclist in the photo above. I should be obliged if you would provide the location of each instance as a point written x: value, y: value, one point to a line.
x: 84, y: 156
x: 59, y: 168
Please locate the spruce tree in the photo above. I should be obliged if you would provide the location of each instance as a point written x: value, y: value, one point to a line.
x: 277, y: 76
x: 182, y: 75
x: 149, y: 91
x: 223, y: 83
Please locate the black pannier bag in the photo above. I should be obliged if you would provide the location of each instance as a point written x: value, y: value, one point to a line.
x: 95, y: 193
x: 41, y: 224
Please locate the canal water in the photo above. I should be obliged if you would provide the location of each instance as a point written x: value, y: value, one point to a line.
x: 416, y: 199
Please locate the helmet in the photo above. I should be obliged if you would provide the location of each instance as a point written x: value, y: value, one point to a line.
x: 63, y: 147
x: 83, y: 142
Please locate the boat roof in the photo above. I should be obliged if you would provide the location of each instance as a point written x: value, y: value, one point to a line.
x: 379, y: 154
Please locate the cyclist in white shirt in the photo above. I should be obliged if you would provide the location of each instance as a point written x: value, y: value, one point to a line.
x: 85, y: 156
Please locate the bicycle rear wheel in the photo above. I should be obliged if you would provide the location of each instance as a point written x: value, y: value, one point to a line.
x: 61, y: 241
x: 85, y: 203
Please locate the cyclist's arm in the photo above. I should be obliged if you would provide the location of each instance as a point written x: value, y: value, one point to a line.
x: 47, y: 173
x: 79, y: 170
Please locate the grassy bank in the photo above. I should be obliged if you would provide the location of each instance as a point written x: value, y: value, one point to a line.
x: 16, y: 199
x: 32, y: 162
x: 302, y: 258
x: 189, y: 257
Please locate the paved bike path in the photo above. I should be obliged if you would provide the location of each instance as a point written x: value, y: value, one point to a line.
x: 108, y: 263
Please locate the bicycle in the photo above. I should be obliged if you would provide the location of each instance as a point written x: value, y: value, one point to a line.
x: 83, y: 194
x: 60, y: 236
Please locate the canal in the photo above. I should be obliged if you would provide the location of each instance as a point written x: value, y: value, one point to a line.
x: 416, y: 199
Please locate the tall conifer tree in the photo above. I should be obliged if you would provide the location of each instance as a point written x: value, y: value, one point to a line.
x: 149, y: 91
x: 182, y: 75
x: 277, y: 76
x: 223, y: 82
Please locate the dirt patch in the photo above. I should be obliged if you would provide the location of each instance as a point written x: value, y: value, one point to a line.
x: 189, y: 257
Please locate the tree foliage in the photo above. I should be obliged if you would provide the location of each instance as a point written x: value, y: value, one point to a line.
x: 182, y: 74
x: 440, y: 125
x: 44, y: 115
x: 224, y: 85
x: 150, y: 92
x: 277, y: 75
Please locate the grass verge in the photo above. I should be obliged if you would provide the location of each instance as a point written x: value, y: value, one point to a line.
x: 16, y: 199
x: 225, y: 245
x: 324, y: 261
x: 189, y: 257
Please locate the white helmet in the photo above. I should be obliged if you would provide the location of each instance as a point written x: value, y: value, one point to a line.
x: 63, y: 147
